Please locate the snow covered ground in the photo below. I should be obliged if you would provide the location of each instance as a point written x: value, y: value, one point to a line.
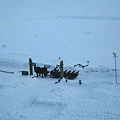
x: 27, y: 98
x: 75, y: 31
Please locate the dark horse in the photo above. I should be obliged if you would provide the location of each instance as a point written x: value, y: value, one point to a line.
x: 40, y: 71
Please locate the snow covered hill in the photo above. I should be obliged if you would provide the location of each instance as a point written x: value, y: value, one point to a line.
x: 75, y: 31
x: 27, y: 98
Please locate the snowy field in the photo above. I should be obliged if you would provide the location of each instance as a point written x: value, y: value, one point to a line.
x: 75, y: 31
x: 27, y: 98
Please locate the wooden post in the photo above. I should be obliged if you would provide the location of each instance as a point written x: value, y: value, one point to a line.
x: 61, y: 70
x: 30, y: 66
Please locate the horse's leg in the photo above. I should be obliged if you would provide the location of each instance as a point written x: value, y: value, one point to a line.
x: 45, y: 74
x: 37, y: 74
x: 42, y: 75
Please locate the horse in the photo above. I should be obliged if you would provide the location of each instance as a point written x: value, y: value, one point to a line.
x: 40, y: 71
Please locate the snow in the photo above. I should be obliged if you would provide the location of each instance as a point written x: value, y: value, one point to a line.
x: 23, y: 97
x: 75, y: 31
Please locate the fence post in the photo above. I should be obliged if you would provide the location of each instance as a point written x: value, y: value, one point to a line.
x: 61, y: 70
x: 30, y: 66
x: 115, y: 66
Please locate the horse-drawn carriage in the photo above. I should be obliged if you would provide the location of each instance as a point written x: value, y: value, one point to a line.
x: 69, y: 73
x: 56, y: 72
